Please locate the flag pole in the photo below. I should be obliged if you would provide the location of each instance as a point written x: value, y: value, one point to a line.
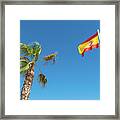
x: 98, y: 35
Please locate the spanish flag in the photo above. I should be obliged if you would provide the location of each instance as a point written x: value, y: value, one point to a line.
x: 89, y: 44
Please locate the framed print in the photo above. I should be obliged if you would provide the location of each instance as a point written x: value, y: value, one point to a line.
x: 60, y: 59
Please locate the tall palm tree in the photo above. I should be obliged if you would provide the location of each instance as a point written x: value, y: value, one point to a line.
x: 29, y: 56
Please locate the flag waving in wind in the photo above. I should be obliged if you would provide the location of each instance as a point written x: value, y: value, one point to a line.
x: 89, y: 44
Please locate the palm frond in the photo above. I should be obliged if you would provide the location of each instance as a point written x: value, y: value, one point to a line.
x: 24, y: 64
x: 23, y: 69
x: 26, y: 49
x: 36, y: 50
x: 23, y: 58
x: 33, y: 50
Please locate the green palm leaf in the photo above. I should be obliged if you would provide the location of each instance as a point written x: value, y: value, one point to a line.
x: 31, y: 50
x: 24, y: 64
x: 23, y: 69
x: 36, y: 50
x: 26, y: 49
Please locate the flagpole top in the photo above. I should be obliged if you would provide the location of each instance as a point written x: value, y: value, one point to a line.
x: 98, y: 34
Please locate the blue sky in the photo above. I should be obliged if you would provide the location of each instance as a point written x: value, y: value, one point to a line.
x: 72, y: 77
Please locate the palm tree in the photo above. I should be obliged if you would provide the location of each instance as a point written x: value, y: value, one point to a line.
x: 29, y: 56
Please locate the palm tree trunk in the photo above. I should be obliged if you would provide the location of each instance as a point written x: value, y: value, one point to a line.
x: 27, y: 82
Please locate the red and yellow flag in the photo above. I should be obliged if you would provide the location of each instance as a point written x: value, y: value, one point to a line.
x: 89, y: 44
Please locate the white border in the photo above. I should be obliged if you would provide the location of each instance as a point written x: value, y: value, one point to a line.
x: 106, y: 15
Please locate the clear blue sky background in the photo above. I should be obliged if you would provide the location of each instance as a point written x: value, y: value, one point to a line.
x: 72, y: 77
